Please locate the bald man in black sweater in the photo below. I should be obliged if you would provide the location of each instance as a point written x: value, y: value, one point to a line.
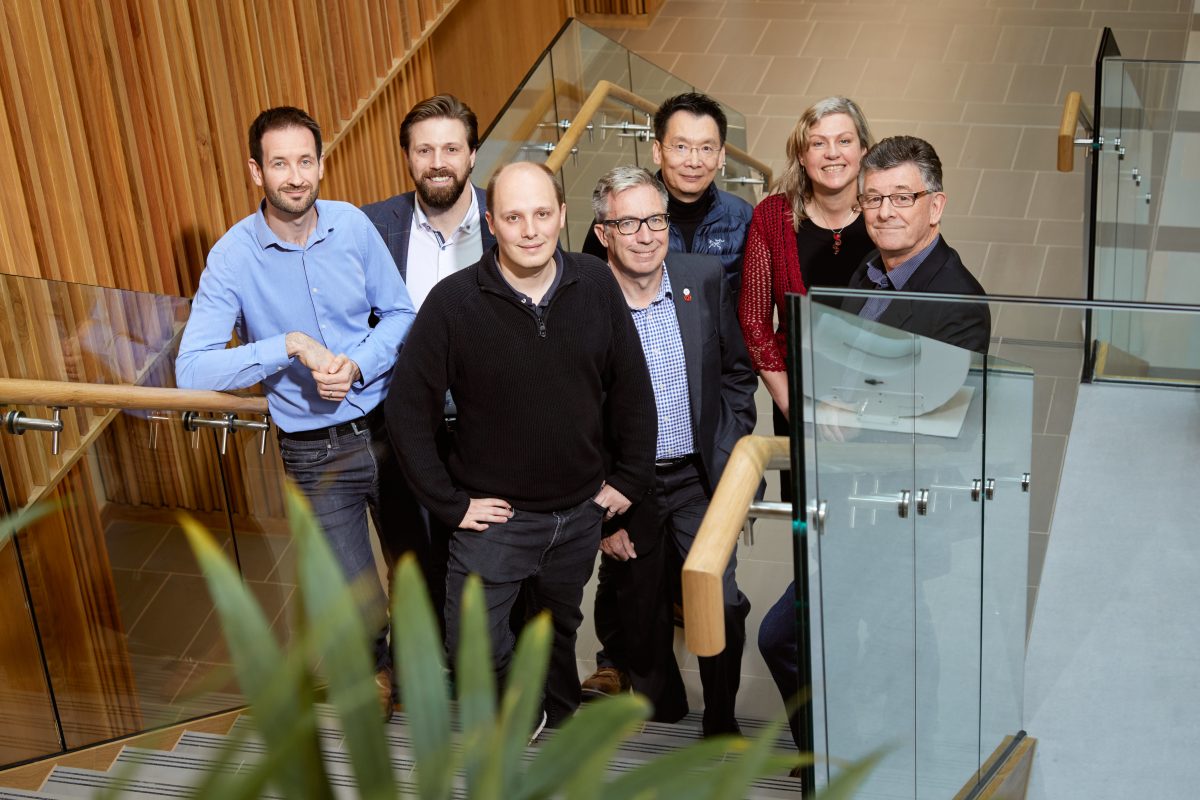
x: 546, y: 370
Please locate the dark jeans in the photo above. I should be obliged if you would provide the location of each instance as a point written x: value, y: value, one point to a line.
x: 345, y: 477
x: 777, y: 643
x: 633, y: 606
x: 551, y: 554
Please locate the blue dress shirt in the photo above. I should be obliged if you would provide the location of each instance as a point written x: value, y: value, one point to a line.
x: 328, y: 288
x: 894, y: 278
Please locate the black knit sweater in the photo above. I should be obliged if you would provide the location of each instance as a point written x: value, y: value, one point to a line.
x: 535, y: 398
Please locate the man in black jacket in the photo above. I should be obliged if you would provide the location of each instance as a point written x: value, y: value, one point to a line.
x: 900, y: 192
x: 704, y: 393
x: 545, y: 367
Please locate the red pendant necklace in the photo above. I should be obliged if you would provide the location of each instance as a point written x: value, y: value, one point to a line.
x: 837, y: 232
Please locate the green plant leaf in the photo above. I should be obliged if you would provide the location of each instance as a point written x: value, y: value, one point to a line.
x: 14, y: 522
x: 338, y: 640
x: 521, y: 705
x: 418, y: 655
x: 476, y: 684
x: 850, y: 778
x: 575, y: 758
x: 283, y: 709
x: 731, y: 778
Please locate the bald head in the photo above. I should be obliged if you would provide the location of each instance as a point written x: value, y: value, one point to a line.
x: 526, y: 211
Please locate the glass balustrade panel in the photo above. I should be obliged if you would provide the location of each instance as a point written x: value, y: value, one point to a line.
x: 121, y: 611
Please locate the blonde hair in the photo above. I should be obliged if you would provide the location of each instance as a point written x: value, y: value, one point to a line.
x: 793, y: 183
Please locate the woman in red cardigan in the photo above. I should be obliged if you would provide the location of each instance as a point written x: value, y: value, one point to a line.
x: 807, y: 232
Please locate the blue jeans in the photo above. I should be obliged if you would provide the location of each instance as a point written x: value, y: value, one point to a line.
x: 551, y: 554
x: 342, y: 477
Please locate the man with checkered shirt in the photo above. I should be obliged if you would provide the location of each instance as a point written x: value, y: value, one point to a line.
x: 704, y: 396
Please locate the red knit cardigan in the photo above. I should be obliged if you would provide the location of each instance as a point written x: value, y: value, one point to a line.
x: 770, y: 269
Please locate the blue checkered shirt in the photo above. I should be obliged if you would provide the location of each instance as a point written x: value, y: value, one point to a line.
x: 894, y: 278
x: 658, y: 328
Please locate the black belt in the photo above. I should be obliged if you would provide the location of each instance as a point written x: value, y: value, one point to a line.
x: 370, y: 420
x: 672, y: 464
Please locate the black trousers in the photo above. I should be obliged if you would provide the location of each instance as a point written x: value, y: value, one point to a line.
x: 633, y: 605
x: 546, y: 555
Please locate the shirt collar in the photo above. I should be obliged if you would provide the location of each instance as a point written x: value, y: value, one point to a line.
x: 899, y: 275
x: 664, y: 291
x: 471, y: 217
x: 267, y: 238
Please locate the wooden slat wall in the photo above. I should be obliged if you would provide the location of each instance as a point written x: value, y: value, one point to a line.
x: 124, y: 154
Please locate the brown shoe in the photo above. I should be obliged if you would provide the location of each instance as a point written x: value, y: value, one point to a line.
x: 386, y: 691
x: 605, y: 682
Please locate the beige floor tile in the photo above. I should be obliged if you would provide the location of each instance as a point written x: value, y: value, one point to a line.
x: 768, y: 10
x: 973, y: 254
x: 926, y: 41
x: 787, y: 76
x: 1142, y: 20
x: 738, y: 74
x: 929, y: 12
x: 836, y: 76
x: 1057, y: 233
x: 649, y: 40
x: 832, y: 39
x: 690, y: 36
x: 1080, y: 79
x: 1015, y: 114
x: 1044, y: 19
x: 1022, y: 44
x: 947, y: 139
x: 1035, y: 83
x: 987, y: 83
x: 856, y: 12
x: 1013, y: 268
x: 1048, y: 452
x: 1063, y: 272
x: 785, y: 38
x: 1169, y: 45
x: 972, y: 43
x: 698, y: 69
x: 990, y: 147
x: 1072, y: 46
x: 1071, y: 5
x: 909, y: 111
x: 933, y: 81
x: 883, y: 77
x: 1010, y: 3
x: 769, y: 145
x: 1037, y: 149
x: 992, y: 229
x: 1112, y: 5
x: 747, y: 104
x: 1057, y: 196
x: 738, y: 36
x: 1003, y: 193
x: 960, y: 186
x: 877, y: 40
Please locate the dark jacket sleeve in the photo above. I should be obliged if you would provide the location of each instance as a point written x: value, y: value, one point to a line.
x: 738, y: 384
x: 629, y: 410
x: 415, y: 406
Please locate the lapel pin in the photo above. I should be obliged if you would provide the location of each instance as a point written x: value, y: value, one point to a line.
x: 687, y: 295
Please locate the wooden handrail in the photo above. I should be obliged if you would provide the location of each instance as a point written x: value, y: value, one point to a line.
x: 606, y: 90
x: 20, y: 391
x: 1073, y: 108
x: 703, y: 598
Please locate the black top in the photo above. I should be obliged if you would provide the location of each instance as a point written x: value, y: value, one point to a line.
x: 537, y: 397
x: 688, y: 216
x: 819, y: 266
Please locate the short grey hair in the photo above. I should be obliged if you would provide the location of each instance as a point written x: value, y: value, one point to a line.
x: 895, y: 151
x: 617, y: 180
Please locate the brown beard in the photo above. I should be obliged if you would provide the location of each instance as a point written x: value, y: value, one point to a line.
x: 444, y: 197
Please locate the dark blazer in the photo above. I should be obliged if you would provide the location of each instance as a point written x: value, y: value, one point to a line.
x: 721, y: 382
x: 967, y: 325
x: 393, y: 218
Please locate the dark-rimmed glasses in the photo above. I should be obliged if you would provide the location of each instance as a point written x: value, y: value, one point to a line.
x: 899, y: 199
x: 631, y: 225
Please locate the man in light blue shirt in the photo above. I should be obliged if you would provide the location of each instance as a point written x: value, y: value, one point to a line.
x: 300, y: 281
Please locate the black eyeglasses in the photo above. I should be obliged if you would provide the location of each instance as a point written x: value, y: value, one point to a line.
x: 899, y: 199
x: 631, y: 225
